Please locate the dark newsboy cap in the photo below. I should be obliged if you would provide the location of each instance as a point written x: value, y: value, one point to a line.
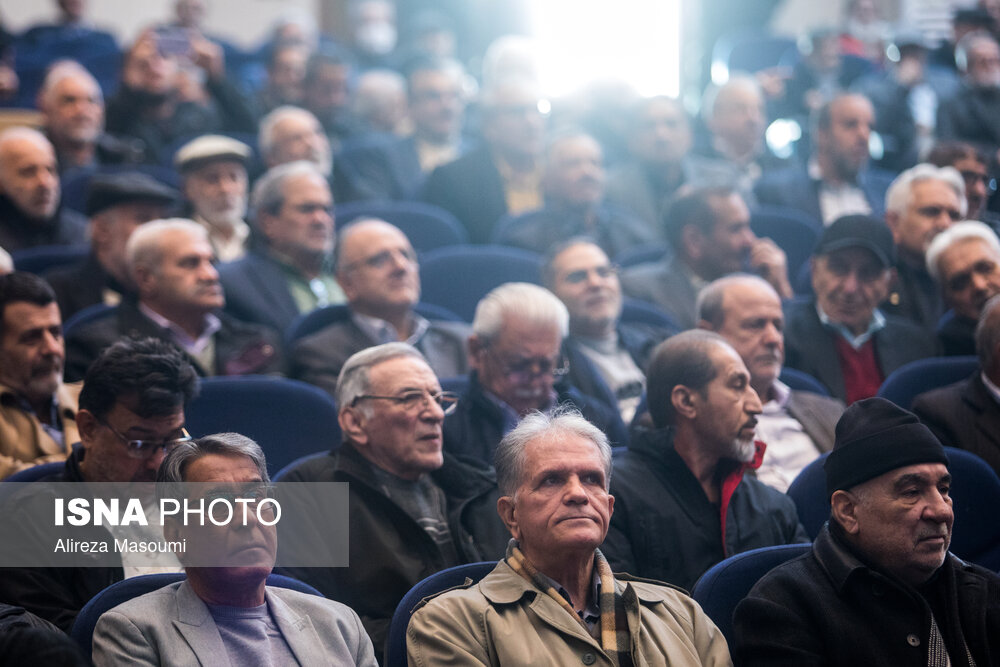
x: 107, y: 190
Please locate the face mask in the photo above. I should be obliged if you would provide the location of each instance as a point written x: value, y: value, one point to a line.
x: 377, y: 37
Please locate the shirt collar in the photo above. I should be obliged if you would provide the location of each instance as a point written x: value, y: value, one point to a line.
x: 592, y: 612
x: 193, y: 345
x: 876, y: 324
x: 782, y: 392
x: 380, y: 330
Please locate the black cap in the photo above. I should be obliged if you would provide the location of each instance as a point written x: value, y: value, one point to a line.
x: 107, y: 190
x: 858, y: 231
x: 874, y: 436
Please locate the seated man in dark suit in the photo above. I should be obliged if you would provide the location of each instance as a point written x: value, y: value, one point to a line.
x: 514, y: 352
x: 965, y: 263
x: 968, y: 115
x: 797, y: 425
x: 395, y: 168
x: 414, y: 508
x: 377, y: 268
x: 226, y: 610
x: 131, y: 414
x: 288, y: 271
x: 836, y: 181
x: 684, y: 495
x: 709, y: 231
x: 604, y: 354
x: 501, y: 176
x: 116, y: 205
x: 31, y: 213
x: 840, y: 337
x: 573, y: 184
x: 178, y: 299
x: 967, y: 414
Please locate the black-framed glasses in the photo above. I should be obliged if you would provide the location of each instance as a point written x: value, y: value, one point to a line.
x: 416, y: 401
x: 528, y: 369
x: 145, y: 449
x: 603, y: 272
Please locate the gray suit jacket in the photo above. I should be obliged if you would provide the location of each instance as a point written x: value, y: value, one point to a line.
x: 818, y: 415
x: 318, y: 358
x: 666, y: 285
x: 172, y: 626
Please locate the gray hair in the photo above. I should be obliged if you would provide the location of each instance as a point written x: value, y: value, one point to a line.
x: 988, y: 334
x: 61, y: 70
x: 355, y: 375
x: 265, y: 131
x: 960, y: 231
x: 144, y: 248
x: 712, y: 91
x: 534, y: 303
x: 510, y: 454
x: 900, y: 192
x: 375, y: 89
x: 709, y: 305
x: 268, y: 194
x: 176, y: 463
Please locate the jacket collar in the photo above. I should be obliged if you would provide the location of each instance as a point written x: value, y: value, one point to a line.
x: 505, y: 586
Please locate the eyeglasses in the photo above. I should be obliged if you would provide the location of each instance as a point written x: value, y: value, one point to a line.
x: 145, y: 449
x: 603, y: 272
x: 382, y: 259
x: 416, y: 401
x: 528, y: 369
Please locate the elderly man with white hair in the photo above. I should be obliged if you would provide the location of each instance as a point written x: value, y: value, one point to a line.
x: 288, y: 270
x: 965, y: 261
x: 921, y: 202
x: 30, y: 212
x: 178, y: 299
x: 517, y: 367
x: 291, y: 133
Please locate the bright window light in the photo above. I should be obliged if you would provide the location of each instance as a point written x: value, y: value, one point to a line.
x: 582, y: 41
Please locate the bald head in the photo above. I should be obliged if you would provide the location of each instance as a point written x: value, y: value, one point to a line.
x: 377, y: 269
x: 28, y: 175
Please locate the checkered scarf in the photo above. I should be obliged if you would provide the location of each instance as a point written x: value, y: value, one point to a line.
x: 613, y: 632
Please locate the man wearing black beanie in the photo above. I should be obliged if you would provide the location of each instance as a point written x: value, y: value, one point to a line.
x: 879, y: 586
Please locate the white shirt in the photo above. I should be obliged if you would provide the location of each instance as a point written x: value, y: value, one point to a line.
x: 789, y: 447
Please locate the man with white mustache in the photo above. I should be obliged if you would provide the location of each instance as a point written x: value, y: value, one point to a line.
x: 683, y: 500
x: 514, y: 353
x: 796, y: 425
x: 878, y: 586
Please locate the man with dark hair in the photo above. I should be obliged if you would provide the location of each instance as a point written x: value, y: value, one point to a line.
x: 973, y: 165
x: 878, y: 586
x: 553, y: 599
x: 573, y: 186
x: 709, y: 231
x: 37, y: 411
x: 117, y: 205
x: 835, y: 181
x: 327, y: 93
x: 683, y: 498
x: 967, y: 115
x: 414, y: 508
x: 840, y: 337
x: 226, y: 610
x: 131, y: 413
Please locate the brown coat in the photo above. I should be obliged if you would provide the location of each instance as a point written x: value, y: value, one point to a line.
x: 23, y: 441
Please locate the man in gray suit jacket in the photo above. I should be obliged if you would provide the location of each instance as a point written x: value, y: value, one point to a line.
x: 796, y: 425
x: 377, y: 267
x: 227, y: 615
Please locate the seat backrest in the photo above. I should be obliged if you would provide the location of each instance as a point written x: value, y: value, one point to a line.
x: 313, y: 321
x: 793, y: 231
x: 640, y: 312
x: 652, y: 252
x: 720, y: 589
x: 436, y: 583
x: 82, y: 631
x: 287, y: 418
x: 457, y: 277
x: 87, y: 315
x: 975, y: 491
x: 910, y: 380
x: 425, y: 225
x: 796, y: 379
x: 40, y: 259
x: 35, y: 473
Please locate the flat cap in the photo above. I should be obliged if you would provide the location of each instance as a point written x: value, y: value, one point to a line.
x: 210, y: 148
x: 107, y: 190
x: 858, y: 231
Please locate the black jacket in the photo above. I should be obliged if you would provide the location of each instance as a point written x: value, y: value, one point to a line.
x: 389, y: 551
x: 81, y: 285
x: 664, y: 526
x: 473, y: 431
x: 18, y: 231
x: 829, y: 608
x: 56, y: 593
